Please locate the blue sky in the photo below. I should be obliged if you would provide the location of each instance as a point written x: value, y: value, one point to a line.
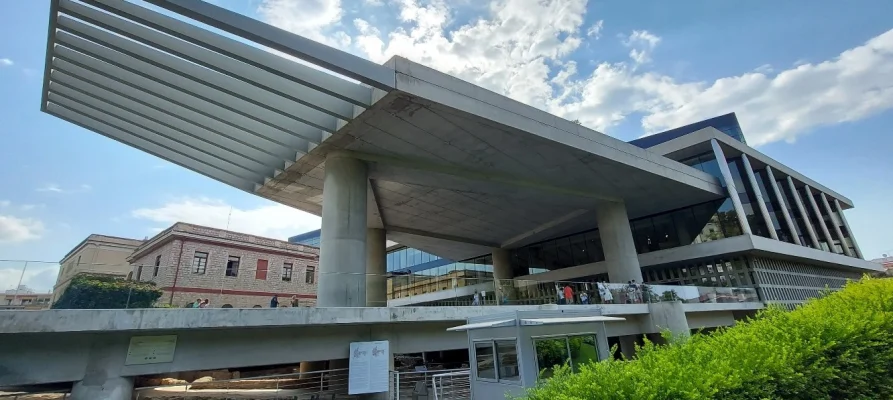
x: 811, y: 81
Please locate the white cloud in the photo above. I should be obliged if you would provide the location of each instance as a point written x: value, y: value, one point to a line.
x: 595, y: 31
x: 270, y: 220
x: 54, y: 188
x: 5, y: 62
x: 39, y: 277
x: 5, y: 203
x: 14, y: 229
x: 642, y: 44
x: 525, y: 49
x: 310, y: 18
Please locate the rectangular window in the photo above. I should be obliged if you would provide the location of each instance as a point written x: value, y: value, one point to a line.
x: 232, y: 266
x: 497, y: 360
x: 261, y: 272
x: 157, y: 264
x: 199, y: 262
x: 310, y: 274
x: 286, y: 271
x: 507, y: 360
x: 486, y: 362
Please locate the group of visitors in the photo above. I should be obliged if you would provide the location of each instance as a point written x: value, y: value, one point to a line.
x: 200, y: 303
x: 631, y: 293
x: 274, y: 303
x: 295, y: 302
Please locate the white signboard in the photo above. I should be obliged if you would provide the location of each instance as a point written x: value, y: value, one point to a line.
x: 369, y: 367
x: 151, y: 349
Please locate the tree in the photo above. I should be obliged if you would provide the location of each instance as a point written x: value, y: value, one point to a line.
x: 106, y: 292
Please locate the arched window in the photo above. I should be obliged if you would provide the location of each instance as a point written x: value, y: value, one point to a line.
x: 227, y: 306
x: 130, y: 275
x: 257, y: 306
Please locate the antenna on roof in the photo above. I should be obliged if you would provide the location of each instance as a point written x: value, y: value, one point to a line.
x: 229, y: 216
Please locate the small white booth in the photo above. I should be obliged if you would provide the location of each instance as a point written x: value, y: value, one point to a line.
x: 507, y: 352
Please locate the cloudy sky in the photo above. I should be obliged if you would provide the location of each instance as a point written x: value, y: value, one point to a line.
x: 810, y: 81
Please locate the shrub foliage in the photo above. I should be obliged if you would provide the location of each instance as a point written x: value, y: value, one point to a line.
x: 103, y: 292
x: 837, y: 347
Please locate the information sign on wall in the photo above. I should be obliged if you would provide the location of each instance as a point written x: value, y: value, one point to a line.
x: 369, y: 367
x: 151, y: 350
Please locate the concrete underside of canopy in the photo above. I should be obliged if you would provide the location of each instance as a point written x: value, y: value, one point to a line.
x: 474, y: 170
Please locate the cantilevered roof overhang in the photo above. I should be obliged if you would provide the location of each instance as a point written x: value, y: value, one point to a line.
x: 454, y: 169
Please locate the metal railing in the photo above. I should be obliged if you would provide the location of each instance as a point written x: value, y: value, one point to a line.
x: 317, y: 385
x: 426, y: 385
x: 218, y: 286
x: 452, y: 385
x: 51, y: 395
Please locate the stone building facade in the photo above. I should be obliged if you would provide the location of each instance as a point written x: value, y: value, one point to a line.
x: 229, y: 269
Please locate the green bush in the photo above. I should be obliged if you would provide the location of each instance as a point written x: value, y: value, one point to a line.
x: 104, y: 292
x: 837, y: 347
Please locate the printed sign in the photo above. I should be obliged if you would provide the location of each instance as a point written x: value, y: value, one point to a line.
x: 151, y: 350
x: 369, y: 367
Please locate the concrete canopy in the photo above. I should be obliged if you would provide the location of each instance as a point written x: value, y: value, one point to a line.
x: 454, y: 169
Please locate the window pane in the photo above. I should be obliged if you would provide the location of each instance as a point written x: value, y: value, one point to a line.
x: 550, y: 353
x: 507, y: 353
x: 583, y: 350
x: 483, y: 356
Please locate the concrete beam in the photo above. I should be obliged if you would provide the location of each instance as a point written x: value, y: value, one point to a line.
x: 130, y: 139
x: 835, y: 225
x: 803, y: 214
x: 730, y: 186
x: 450, y: 238
x: 337, y: 92
x: 761, y: 202
x: 848, y: 229
x: 477, y: 175
x: 780, y: 198
x: 818, y: 216
x: 543, y: 227
x: 308, y: 50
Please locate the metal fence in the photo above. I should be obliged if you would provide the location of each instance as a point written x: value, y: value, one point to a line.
x: 431, y: 385
x: 317, y: 385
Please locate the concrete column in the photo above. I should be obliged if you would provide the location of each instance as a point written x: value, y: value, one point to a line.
x: 376, y: 268
x: 836, y: 224
x: 761, y: 203
x: 628, y: 346
x: 617, y: 242
x: 730, y: 186
x: 781, y: 202
x: 818, y: 216
x: 103, y: 388
x: 669, y: 315
x: 803, y: 214
x: 102, y: 379
x: 847, y: 225
x: 503, y: 274
x: 342, y: 253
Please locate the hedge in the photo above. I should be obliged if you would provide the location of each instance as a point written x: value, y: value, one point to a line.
x: 836, y: 347
x: 103, y: 292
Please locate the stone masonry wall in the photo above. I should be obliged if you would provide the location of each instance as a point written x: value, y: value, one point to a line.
x: 243, y: 290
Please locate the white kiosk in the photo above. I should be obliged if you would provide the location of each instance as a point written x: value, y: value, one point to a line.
x: 507, y: 352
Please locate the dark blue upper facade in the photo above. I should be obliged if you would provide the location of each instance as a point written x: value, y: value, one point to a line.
x: 727, y: 124
x: 309, y: 238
